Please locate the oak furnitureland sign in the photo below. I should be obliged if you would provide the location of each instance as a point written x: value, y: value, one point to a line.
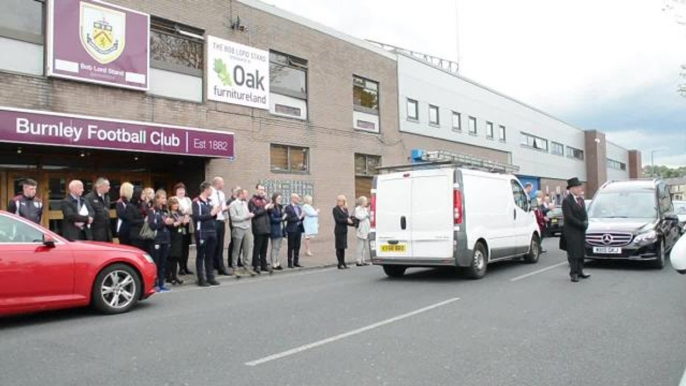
x: 237, y: 74
x: 92, y: 41
x: 55, y: 129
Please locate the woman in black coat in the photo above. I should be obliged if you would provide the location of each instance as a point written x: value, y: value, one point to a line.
x: 343, y: 221
x: 134, y: 215
x: 177, y: 233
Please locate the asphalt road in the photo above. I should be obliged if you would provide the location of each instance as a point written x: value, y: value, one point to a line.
x: 624, y: 326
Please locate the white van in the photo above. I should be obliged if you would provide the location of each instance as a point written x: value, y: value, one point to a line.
x: 450, y: 217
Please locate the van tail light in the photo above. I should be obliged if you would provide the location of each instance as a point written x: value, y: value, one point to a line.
x: 457, y: 206
x: 372, y: 211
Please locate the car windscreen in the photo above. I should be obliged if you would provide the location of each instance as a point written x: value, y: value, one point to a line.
x: 624, y: 205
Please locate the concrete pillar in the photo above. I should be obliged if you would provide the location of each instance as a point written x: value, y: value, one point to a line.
x: 596, y: 161
x: 635, y: 164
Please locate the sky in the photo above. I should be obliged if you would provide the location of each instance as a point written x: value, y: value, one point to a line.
x: 608, y: 65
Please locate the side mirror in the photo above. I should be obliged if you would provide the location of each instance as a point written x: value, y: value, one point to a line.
x: 48, y: 241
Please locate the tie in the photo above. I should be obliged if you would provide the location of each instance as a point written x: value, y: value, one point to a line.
x: 580, y: 201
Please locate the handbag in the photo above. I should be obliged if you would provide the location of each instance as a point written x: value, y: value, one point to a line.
x: 146, y: 232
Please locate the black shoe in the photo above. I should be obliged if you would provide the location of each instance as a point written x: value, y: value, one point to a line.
x: 575, y: 279
x: 340, y: 266
x: 360, y: 264
x: 584, y: 276
x: 203, y: 283
x: 297, y: 265
x: 213, y: 282
x: 290, y: 265
x: 225, y: 273
x: 189, y: 272
x: 178, y: 281
x: 279, y: 268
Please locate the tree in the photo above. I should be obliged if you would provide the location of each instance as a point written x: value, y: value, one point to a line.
x: 664, y: 171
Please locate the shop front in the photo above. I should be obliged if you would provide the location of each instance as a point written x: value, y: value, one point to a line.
x: 54, y: 149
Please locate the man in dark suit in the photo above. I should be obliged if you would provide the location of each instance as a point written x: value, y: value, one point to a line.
x: 99, y: 200
x: 294, y: 229
x: 573, y: 238
x: 78, y: 214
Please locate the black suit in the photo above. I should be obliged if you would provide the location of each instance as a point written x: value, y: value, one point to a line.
x: 341, y: 216
x: 70, y: 211
x: 101, y: 220
x: 294, y: 229
x: 573, y: 238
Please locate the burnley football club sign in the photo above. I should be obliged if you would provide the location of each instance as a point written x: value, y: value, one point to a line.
x: 92, y: 41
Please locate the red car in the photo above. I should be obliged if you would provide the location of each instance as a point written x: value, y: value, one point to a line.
x: 40, y: 270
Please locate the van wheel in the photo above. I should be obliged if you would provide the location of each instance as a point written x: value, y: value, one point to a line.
x: 534, y: 251
x: 117, y: 289
x: 477, y: 269
x: 394, y: 270
x: 661, y: 256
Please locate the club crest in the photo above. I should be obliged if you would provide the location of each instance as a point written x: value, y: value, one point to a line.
x: 102, y: 32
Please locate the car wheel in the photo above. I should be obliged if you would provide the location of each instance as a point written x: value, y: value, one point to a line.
x: 477, y: 269
x: 661, y: 257
x: 117, y: 289
x: 394, y: 271
x: 534, y: 251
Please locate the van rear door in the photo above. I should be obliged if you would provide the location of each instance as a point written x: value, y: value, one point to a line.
x: 432, y: 213
x: 393, y: 210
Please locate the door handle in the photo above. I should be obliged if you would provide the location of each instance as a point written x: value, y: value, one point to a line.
x: 403, y: 222
x: 514, y: 212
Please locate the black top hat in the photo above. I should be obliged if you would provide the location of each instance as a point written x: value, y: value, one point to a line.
x: 572, y: 182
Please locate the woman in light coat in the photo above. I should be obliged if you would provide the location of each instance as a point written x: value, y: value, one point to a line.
x: 361, y: 213
x: 311, y: 223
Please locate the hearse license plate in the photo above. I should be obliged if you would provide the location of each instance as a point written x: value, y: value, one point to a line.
x: 393, y: 248
x: 607, y: 250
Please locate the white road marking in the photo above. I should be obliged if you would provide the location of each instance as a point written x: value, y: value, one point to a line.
x: 537, y: 272
x: 683, y: 380
x: 347, y: 334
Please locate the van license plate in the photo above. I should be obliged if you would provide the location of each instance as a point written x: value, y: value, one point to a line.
x: 393, y: 248
x: 607, y: 250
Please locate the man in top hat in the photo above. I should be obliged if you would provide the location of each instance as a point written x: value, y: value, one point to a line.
x: 573, y: 238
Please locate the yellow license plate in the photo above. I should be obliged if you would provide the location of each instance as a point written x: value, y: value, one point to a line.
x: 393, y: 248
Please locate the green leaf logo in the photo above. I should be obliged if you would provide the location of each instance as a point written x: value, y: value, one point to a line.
x: 222, y: 72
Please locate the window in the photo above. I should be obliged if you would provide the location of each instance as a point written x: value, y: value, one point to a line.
x: 472, y: 125
x: 22, y: 20
x: 612, y: 164
x: 457, y: 121
x: 489, y: 130
x: 175, y: 47
x: 520, y: 197
x: 534, y: 142
x: 575, y: 153
x: 366, y: 95
x: 503, y: 134
x: 289, y: 159
x: 365, y: 169
x: 412, y: 110
x: 434, y: 115
x: 15, y: 231
x: 558, y: 149
x: 288, y: 75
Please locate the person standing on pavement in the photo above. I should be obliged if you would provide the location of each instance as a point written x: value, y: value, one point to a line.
x: 135, y: 213
x: 342, y: 219
x: 186, y: 209
x: 77, y: 214
x: 100, y: 202
x: 540, y: 211
x: 177, y: 231
x: 204, y: 218
x: 218, y: 198
x: 123, y: 226
x: 294, y: 229
x: 234, y: 196
x: 260, y: 206
x: 573, y: 239
x: 278, y: 217
x: 27, y: 205
x: 363, y: 226
x: 310, y: 223
x: 160, y: 221
x: 240, y: 233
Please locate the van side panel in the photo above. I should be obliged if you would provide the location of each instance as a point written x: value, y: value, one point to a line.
x: 488, y: 199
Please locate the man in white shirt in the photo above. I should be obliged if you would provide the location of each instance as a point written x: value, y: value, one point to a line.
x: 218, y: 198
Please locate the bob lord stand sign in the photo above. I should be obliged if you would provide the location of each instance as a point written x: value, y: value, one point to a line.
x: 46, y: 128
x: 96, y: 42
x: 237, y: 74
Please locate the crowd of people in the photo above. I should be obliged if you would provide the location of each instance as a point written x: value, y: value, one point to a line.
x: 166, y: 226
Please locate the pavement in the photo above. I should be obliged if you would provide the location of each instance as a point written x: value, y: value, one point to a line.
x: 520, y: 325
